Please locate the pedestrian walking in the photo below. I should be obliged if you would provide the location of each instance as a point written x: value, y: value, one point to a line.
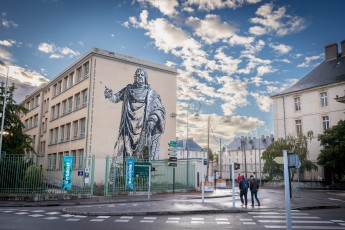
x: 244, y: 185
x: 239, y: 178
x: 254, y: 188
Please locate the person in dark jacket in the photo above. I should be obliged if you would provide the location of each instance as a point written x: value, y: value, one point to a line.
x: 254, y: 188
x: 244, y: 185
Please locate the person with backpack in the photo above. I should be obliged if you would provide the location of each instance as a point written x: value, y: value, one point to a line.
x: 254, y: 188
x: 243, y: 190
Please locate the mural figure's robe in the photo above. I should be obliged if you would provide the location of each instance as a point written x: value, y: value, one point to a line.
x: 142, y: 119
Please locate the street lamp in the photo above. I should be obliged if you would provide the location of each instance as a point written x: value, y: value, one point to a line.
x: 196, y: 106
x: 4, y: 106
x: 254, y: 145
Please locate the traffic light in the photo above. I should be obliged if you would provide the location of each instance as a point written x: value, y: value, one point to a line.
x: 172, y: 161
x: 237, y: 166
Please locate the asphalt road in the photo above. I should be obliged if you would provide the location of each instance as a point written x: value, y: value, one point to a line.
x: 54, y: 219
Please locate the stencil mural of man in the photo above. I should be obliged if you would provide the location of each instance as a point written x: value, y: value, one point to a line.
x: 142, y: 120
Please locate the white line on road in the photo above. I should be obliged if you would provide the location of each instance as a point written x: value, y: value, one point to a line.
x: 126, y: 217
x: 121, y: 220
x: 72, y: 219
x: 305, y: 227
x: 197, y: 222
x: 283, y: 217
x: 297, y: 221
x: 36, y: 215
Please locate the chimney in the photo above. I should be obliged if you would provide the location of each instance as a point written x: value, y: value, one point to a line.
x: 343, y: 48
x: 331, y: 51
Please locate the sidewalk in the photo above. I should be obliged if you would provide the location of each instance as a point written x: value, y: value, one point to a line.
x: 189, y: 203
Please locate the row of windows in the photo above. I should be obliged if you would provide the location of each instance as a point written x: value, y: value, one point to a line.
x: 33, y: 103
x: 80, y: 101
x: 74, y: 77
x: 325, y: 124
x: 55, y: 160
x: 64, y: 132
x: 323, y: 101
x: 31, y: 122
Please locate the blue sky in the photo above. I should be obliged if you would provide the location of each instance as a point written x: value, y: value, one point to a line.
x: 231, y: 54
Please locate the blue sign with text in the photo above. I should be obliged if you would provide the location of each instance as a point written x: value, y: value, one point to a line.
x: 130, y: 174
x: 67, y: 173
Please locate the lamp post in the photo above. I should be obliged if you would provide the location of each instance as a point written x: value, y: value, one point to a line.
x: 196, y: 105
x: 3, y: 106
x: 254, y: 145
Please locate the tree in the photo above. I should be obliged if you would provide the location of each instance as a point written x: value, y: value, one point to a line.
x: 332, y: 155
x: 295, y: 144
x: 14, y: 140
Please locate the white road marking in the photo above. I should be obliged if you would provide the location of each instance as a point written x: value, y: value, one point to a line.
x: 36, y: 215
x: 338, y: 221
x: 121, y: 220
x: 126, y: 217
x: 248, y: 223
x: 197, y: 222
x: 67, y: 215
x: 38, y: 211
x: 53, y: 213
x: 297, y: 221
x: 102, y: 217
x: 197, y: 218
x: 305, y: 227
x: 21, y: 213
x: 223, y: 222
x: 283, y: 217
x: 97, y: 220
x: 172, y: 221
x: 149, y: 218
x: 51, y: 218
x: 70, y: 219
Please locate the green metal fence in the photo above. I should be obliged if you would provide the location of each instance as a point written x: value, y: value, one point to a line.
x: 21, y: 178
x: 164, y: 178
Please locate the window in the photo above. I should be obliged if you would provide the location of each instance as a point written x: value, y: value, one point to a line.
x: 49, y: 161
x: 65, y: 83
x: 325, y: 122
x: 59, y: 87
x: 51, y: 136
x: 56, y: 135
x: 42, y: 148
x: 53, y: 161
x: 74, y: 155
x: 70, y: 104
x: 26, y: 123
x: 62, y: 133
x: 30, y: 122
x: 78, y: 74
x: 70, y: 78
x: 64, y: 107
x: 86, y: 70
x: 297, y: 104
x: 47, y: 105
x: 75, y: 129
x: 80, y: 158
x: 84, y: 99
x: 82, y: 127
x: 37, y: 100
x: 60, y: 161
x: 32, y: 103
x: 77, y: 101
x: 36, y: 120
x: 53, y: 112
x: 68, y: 131
x: 54, y: 90
x: 46, y: 125
x: 57, y: 110
x: 323, y: 98
x: 298, y: 126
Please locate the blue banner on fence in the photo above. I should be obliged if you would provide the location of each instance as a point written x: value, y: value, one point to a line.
x: 67, y: 173
x: 130, y: 173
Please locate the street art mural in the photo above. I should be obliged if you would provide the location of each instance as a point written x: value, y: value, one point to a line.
x: 142, y: 119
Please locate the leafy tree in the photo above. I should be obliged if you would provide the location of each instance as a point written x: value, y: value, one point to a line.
x: 296, y: 144
x: 332, y: 156
x: 14, y: 140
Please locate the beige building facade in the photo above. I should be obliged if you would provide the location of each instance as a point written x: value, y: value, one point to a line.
x: 69, y: 116
x: 313, y: 103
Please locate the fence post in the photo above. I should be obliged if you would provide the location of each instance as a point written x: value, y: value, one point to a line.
x: 92, y: 174
x: 106, y: 179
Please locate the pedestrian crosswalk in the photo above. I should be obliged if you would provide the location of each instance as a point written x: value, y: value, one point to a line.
x: 300, y: 220
x: 261, y: 219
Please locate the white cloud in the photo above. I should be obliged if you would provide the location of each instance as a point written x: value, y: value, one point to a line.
x: 263, y: 102
x: 56, y: 52
x: 5, y: 55
x: 211, y: 29
x: 46, y: 48
x: 262, y: 70
x: 309, y: 60
x: 281, y: 48
x: 239, y: 40
x: 7, y: 43
x: 26, y: 76
x: 208, y: 5
x: 166, y: 7
x: 275, y: 21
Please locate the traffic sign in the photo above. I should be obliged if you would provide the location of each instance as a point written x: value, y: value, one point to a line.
x: 279, y: 160
x: 172, y: 161
x: 172, y: 144
x: 141, y: 169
